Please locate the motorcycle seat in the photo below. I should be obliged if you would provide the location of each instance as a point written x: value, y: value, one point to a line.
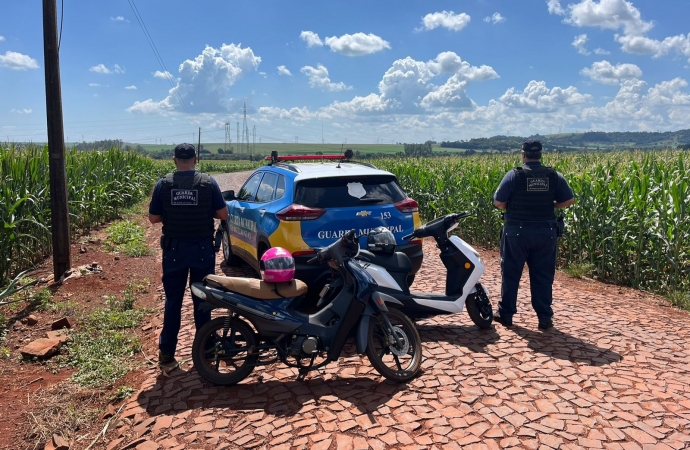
x: 259, y: 289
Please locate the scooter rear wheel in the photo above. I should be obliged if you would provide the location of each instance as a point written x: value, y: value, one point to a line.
x: 222, y: 354
x: 399, y: 362
x: 479, y: 308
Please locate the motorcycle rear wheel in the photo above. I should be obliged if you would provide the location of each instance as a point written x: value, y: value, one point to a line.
x: 479, y: 308
x: 397, y: 363
x: 224, y: 355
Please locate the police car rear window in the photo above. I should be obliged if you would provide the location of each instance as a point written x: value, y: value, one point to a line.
x: 342, y: 192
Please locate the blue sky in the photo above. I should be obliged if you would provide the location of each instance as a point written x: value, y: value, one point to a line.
x: 357, y: 71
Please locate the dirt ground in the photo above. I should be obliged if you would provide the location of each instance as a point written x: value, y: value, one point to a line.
x: 615, y: 373
x: 22, y: 383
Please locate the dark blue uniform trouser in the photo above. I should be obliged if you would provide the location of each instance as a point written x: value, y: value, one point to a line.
x: 181, y: 259
x: 534, y: 244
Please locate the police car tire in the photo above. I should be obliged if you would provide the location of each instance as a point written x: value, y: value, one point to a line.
x: 231, y: 259
x: 204, y: 367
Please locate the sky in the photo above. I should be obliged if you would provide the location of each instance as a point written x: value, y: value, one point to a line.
x: 154, y: 71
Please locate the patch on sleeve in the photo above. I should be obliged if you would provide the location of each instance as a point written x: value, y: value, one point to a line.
x: 537, y: 184
x: 184, y: 197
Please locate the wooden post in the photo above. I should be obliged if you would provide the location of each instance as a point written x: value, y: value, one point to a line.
x: 56, y: 144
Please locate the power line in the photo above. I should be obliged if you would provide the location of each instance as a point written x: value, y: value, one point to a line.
x: 159, y: 58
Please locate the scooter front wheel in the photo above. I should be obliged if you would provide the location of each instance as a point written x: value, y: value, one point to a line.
x: 224, y: 351
x: 479, y: 308
x: 402, y: 360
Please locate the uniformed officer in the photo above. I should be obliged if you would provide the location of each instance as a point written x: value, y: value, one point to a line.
x: 186, y: 202
x: 530, y: 194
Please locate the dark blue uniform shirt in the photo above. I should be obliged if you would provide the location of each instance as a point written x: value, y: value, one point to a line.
x: 156, y: 205
x: 507, y: 186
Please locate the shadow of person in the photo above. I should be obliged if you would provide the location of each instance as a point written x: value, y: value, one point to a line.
x: 557, y: 344
x: 468, y: 336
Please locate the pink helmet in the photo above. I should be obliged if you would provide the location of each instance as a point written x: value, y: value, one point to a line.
x: 277, y: 265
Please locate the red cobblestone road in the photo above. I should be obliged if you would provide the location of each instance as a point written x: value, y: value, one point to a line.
x: 614, y: 373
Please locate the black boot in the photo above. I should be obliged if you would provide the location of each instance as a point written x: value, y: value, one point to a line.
x: 506, y: 322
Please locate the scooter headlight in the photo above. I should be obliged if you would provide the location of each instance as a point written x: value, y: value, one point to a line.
x: 199, y: 292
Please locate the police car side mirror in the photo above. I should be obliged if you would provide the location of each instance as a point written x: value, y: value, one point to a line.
x: 228, y: 195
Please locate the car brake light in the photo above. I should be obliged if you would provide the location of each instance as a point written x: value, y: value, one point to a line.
x: 297, y: 212
x: 407, y: 206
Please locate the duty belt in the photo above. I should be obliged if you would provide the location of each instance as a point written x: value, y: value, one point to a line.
x: 525, y: 223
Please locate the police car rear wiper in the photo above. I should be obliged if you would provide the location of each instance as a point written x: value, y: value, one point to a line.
x: 371, y: 200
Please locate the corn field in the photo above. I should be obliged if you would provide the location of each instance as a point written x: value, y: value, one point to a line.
x: 100, y: 185
x: 630, y: 221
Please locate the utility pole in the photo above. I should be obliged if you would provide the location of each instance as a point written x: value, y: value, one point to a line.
x: 59, y: 206
x: 198, y: 147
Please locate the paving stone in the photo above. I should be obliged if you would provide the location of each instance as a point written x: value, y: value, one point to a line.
x: 622, y: 384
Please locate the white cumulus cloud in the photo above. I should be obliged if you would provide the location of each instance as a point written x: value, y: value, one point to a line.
x: 643, y: 45
x: 282, y: 70
x: 538, y: 96
x: 416, y: 87
x: 495, y: 18
x: 601, y: 51
x: 101, y: 68
x: 204, y: 82
x: 164, y: 75
x: 555, y: 7
x: 22, y: 111
x: 318, y: 78
x: 312, y: 39
x: 2, y: 38
x: 608, y: 14
x: 605, y: 72
x: 118, y: 19
x: 357, y: 44
x: 579, y: 44
x: 17, y: 61
x: 446, y: 19
x: 94, y: 85
x: 131, y: 88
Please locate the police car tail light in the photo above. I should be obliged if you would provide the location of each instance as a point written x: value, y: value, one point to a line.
x: 407, y: 206
x: 297, y: 212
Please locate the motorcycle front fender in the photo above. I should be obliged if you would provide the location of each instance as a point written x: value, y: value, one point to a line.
x: 361, y: 335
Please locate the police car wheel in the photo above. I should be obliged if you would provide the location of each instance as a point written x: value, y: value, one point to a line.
x: 229, y: 258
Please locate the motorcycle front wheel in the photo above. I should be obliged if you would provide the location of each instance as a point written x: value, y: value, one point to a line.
x: 224, y: 351
x: 398, y: 362
x: 479, y: 308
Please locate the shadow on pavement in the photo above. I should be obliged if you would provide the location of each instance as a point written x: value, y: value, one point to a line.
x: 470, y: 337
x: 185, y: 390
x: 557, y: 344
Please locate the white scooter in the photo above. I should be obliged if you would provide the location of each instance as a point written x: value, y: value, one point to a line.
x: 463, y: 265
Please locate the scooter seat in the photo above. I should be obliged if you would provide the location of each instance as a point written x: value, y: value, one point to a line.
x: 255, y: 288
x: 393, y: 262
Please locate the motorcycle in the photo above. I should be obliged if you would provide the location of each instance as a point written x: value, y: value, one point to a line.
x: 463, y: 265
x: 264, y: 325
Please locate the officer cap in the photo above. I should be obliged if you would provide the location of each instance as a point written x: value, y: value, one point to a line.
x: 185, y: 151
x: 532, y: 148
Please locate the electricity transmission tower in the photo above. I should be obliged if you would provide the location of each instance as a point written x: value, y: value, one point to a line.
x: 254, y: 139
x: 245, y: 133
x: 239, y: 146
x: 228, y: 141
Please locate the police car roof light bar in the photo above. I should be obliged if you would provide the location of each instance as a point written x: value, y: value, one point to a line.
x: 274, y: 158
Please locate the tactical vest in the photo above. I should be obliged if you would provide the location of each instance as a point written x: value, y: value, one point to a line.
x: 187, y: 205
x: 533, y: 194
